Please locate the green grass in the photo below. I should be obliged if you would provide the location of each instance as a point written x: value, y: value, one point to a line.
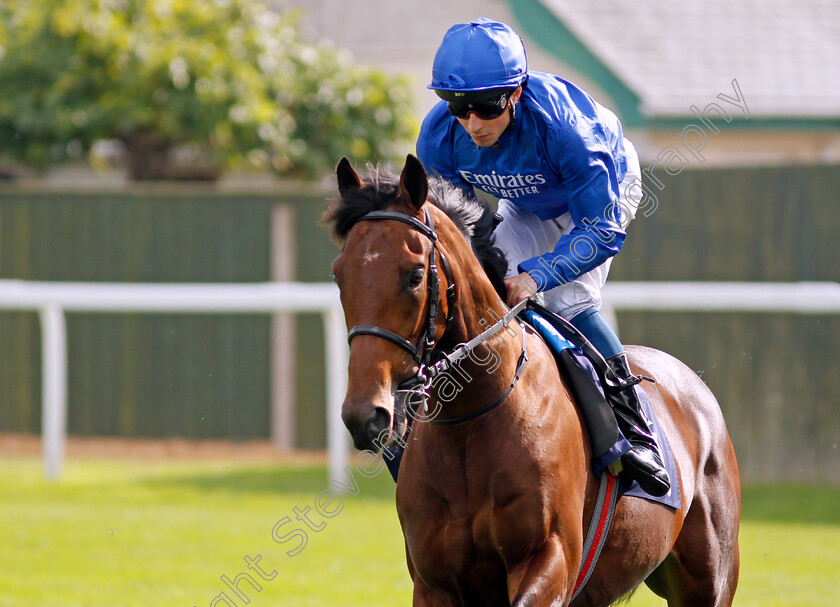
x: 128, y: 533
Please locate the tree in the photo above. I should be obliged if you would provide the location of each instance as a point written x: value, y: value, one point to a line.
x: 230, y: 81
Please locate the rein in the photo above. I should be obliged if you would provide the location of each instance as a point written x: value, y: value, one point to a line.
x: 422, y: 353
x: 487, y: 408
x: 462, y: 350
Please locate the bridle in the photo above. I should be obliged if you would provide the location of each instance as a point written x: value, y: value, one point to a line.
x: 422, y: 353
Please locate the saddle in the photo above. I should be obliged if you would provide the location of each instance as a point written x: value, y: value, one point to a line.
x: 585, y: 372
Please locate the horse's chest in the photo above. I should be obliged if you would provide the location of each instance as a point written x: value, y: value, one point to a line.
x: 454, y: 541
x: 449, y: 551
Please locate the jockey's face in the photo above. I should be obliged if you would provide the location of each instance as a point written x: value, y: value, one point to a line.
x: 486, y: 132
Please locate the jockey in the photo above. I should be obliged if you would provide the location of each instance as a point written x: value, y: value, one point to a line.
x: 562, y: 172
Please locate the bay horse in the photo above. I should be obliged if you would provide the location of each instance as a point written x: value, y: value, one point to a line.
x: 494, y: 509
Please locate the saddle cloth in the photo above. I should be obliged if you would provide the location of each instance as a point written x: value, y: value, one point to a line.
x: 556, y: 341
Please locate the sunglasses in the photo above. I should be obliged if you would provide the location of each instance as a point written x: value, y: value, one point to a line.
x: 486, y: 109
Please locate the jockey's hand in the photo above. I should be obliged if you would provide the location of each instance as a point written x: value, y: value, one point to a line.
x: 519, y: 288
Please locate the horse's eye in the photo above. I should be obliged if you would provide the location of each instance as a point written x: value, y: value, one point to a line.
x: 415, y: 278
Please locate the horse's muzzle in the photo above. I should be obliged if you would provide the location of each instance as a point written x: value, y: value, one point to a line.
x: 369, y: 431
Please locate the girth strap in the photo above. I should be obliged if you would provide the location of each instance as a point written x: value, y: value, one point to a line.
x: 599, y: 529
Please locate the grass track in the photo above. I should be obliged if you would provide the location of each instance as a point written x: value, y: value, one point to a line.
x: 128, y: 533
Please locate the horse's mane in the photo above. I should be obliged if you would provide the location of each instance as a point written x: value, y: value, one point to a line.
x: 473, y: 217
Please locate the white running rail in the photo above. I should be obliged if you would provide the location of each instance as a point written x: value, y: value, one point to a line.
x: 52, y: 299
x: 770, y: 297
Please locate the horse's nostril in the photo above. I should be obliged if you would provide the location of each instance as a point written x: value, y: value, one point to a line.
x: 378, y: 420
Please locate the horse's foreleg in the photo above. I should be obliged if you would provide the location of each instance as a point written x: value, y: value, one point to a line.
x: 541, y: 580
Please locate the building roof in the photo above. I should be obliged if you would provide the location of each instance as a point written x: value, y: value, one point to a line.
x: 668, y: 56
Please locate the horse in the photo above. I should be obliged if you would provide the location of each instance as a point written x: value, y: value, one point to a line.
x: 494, y: 506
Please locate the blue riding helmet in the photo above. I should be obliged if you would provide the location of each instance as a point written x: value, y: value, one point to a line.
x: 478, y: 56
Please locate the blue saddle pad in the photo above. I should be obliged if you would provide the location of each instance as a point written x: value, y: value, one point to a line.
x: 557, y: 342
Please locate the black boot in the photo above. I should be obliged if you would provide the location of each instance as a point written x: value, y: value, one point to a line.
x: 643, y: 462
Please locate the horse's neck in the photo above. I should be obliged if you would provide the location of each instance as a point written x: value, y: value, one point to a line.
x: 489, y: 370
x: 478, y: 306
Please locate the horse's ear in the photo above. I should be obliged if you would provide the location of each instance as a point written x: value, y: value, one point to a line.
x: 414, y: 183
x: 348, y: 178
